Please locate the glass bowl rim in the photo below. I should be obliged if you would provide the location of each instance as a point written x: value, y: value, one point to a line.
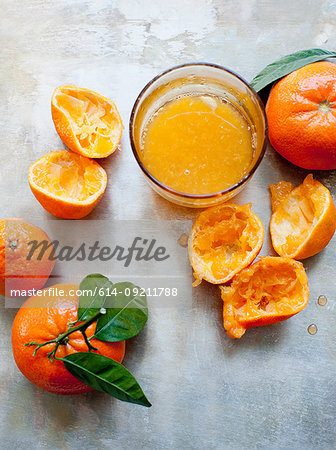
x: 239, y: 183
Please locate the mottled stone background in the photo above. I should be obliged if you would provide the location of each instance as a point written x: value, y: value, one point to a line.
x: 274, y: 389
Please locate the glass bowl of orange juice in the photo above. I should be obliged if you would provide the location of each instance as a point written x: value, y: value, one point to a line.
x: 198, y: 132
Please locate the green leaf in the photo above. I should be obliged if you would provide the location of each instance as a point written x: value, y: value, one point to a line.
x: 94, y: 290
x: 105, y: 375
x: 126, y: 313
x: 288, y: 64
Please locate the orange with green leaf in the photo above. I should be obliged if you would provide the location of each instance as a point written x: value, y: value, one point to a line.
x: 69, y: 345
x: 301, y: 107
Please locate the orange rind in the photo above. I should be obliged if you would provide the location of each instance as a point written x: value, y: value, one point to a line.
x: 303, y: 219
x: 87, y: 122
x: 66, y: 184
x: 224, y: 240
x: 269, y: 291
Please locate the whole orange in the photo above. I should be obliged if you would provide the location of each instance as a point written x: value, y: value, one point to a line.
x: 17, y: 270
x: 42, y: 318
x: 301, y: 114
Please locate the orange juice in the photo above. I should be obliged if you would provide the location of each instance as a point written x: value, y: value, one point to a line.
x: 199, y: 144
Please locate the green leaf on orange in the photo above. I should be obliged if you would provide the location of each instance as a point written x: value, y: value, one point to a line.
x: 287, y: 64
x: 106, y: 375
x: 126, y: 313
x: 94, y: 290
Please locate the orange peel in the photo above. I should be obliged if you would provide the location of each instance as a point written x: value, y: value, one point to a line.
x: 303, y: 219
x: 66, y: 184
x: 87, y: 122
x: 269, y: 291
x: 224, y: 239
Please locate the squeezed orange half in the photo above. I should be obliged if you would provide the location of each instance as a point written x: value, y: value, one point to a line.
x: 66, y: 184
x: 199, y: 144
x: 87, y: 122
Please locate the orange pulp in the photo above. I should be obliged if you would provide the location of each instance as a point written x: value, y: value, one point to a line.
x: 198, y: 144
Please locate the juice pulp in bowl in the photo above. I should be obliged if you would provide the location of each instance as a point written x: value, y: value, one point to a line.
x: 198, y: 137
x: 198, y: 144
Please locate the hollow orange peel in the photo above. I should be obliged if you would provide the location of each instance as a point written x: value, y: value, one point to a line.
x: 66, y: 184
x: 269, y: 291
x: 303, y: 219
x: 87, y: 122
x: 224, y: 239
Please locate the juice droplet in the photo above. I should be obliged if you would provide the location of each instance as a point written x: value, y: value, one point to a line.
x: 183, y: 240
x: 322, y: 300
x: 312, y: 329
x: 186, y: 172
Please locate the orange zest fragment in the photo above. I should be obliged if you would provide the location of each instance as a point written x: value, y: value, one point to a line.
x: 224, y: 240
x: 87, y: 122
x: 269, y: 291
x: 66, y: 184
x: 303, y: 219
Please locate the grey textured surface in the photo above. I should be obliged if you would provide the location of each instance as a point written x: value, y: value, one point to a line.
x: 273, y: 389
